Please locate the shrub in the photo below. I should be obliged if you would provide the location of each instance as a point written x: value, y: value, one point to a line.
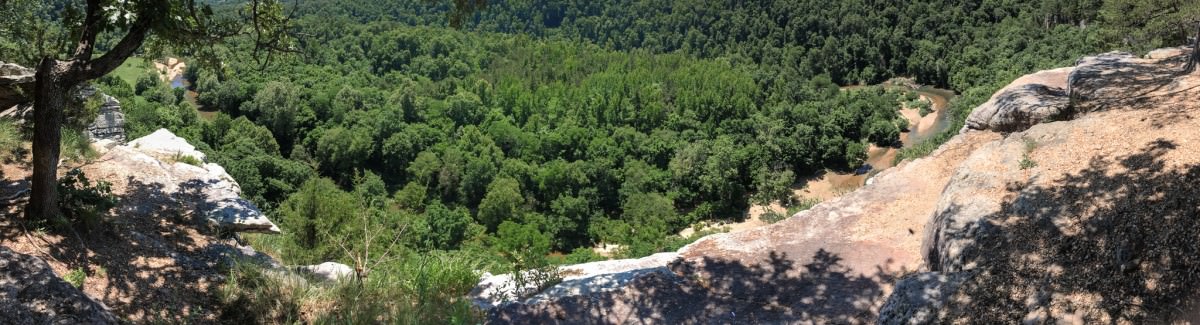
x: 187, y: 159
x: 416, y: 290
x: 83, y: 204
x: 10, y: 140
x: 76, y: 146
x: 772, y: 216
x: 76, y: 277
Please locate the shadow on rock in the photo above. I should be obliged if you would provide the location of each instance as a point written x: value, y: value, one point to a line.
x: 1112, y: 243
x: 715, y: 291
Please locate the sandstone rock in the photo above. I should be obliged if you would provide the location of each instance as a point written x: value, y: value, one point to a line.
x: 30, y: 293
x: 16, y: 84
x: 163, y: 144
x: 1166, y: 53
x: 110, y: 123
x: 329, y: 271
x: 1027, y: 101
x: 205, y: 191
x: 577, y: 280
x: 240, y: 215
x: 920, y: 299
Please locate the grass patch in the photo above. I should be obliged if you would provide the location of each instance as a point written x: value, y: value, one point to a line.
x: 426, y: 289
x: 76, y: 277
x: 133, y: 68
x: 187, y: 159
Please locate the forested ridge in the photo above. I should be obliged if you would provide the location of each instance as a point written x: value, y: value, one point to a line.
x: 540, y: 130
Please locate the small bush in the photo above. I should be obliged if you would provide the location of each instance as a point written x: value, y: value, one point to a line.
x: 772, y: 217
x: 76, y: 146
x: 10, y: 140
x: 83, y: 204
x: 187, y: 159
x: 76, y: 277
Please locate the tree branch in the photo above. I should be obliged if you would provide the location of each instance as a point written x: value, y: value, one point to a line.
x: 91, y: 28
x: 133, y: 40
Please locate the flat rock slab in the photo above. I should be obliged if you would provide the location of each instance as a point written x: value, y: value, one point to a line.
x: 30, y: 293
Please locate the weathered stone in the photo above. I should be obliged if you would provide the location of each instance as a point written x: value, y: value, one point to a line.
x: 16, y: 85
x: 145, y: 170
x: 329, y: 271
x: 1027, y: 101
x: 110, y: 123
x: 163, y: 144
x: 577, y: 280
x: 920, y: 298
x: 30, y: 293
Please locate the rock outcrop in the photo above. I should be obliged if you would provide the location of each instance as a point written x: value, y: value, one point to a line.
x: 577, y: 280
x: 16, y: 85
x: 156, y: 169
x: 30, y: 293
x: 110, y: 122
x: 1099, y: 228
x: 328, y: 271
x: 1025, y: 102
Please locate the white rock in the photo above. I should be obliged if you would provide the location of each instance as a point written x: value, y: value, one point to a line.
x: 579, y: 279
x: 329, y: 271
x: 163, y: 144
x: 208, y: 191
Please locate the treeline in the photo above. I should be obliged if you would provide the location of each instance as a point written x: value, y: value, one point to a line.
x: 947, y: 43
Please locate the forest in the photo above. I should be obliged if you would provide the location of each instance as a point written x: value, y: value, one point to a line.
x: 539, y: 130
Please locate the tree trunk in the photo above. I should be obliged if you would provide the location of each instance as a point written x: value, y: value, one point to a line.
x: 1195, y: 57
x: 52, y: 92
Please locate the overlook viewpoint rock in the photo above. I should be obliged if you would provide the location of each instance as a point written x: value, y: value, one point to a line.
x: 1068, y: 197
x: 164, y: 248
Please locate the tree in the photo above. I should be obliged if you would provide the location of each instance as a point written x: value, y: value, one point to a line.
x: 181, y: 23
x: 1144, y: 24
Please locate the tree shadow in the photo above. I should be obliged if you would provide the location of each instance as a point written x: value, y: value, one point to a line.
x: 1118, y: 82
x: 155, y: 259
x: 720, y: 291
x: 1115, y: 242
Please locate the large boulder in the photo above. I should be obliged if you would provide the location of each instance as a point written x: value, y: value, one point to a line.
x: 163, y: 144
x: 577, y: 280
x: 329, y: 271
x: 110, y: 123
x: 16, y: 85
x: 920, y: 298
x: 30, y: 293
x: 1027, y: 101
x: 1121, y: 80
x: 151, y: 172
x: 1092, y: 220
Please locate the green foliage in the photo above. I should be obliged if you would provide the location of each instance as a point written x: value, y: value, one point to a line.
x: 187, y: 159
x: 314, y: 218
x: 421, y: 290
x: 1026, y: 161
x: 10, y: 140
x: 76, y: 277
x: 84, y: 204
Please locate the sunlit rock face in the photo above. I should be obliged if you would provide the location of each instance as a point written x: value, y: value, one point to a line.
x: 158, y: 171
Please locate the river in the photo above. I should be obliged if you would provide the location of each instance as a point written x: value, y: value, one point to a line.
x: 178, y: 81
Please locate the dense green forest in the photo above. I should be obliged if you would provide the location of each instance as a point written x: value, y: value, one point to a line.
x: 542, y: 129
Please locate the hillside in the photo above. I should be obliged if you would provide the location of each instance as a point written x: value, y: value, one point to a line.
x: 1086, y: 215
